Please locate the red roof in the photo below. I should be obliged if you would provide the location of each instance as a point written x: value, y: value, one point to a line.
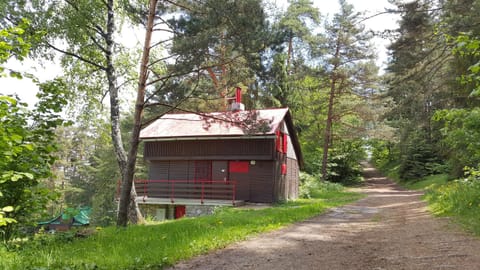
x: 255, y: 122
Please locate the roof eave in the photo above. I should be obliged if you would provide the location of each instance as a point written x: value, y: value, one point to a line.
x: 203, y: 138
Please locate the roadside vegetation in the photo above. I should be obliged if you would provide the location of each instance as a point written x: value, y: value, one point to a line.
x: 458, y: 198
x: 432, y: 106
x: 157, y: 245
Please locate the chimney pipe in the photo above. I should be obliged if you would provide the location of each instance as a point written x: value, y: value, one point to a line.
x: 238, y: 95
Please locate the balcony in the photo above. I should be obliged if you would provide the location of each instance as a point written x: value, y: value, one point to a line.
x: 186, y: 192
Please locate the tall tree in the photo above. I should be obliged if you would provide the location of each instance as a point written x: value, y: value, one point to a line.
x: 346, y: 54
x: 298, y: 23
x: 207, y: 25
x: 84, y: 33
x: 418, y: 84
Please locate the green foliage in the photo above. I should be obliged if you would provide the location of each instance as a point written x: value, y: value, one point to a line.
x: 427, y: 183
x: 418, y: 158
x: 156, y: 246
x: 460, y: 130
x: 469, y: 46
x: 27, y: 145
x: 382, y: 152
x: 308, y: 183
x: 13, y: 44
x: 460, y: 199
x: 344, y: 162
x: 311, y: 186
x: 103, y: 175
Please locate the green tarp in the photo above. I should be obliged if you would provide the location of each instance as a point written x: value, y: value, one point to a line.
x: 81, y: 217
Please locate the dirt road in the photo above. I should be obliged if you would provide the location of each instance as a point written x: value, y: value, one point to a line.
x: 389, y: 229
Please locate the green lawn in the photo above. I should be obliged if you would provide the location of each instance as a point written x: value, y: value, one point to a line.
x: 154, y: 246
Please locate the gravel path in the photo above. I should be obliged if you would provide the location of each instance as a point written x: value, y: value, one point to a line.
x: 389, y: 229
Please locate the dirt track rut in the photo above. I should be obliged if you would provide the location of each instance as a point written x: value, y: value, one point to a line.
x: 389, y: 229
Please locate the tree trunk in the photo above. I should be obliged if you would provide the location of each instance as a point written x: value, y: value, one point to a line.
x: 128, y: 173
x: 116, y: 133
x: 328, y: 129
x: 331, y: 100
x: 290, y: 52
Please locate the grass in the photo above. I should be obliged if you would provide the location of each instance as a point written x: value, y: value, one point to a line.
x: 429, y: 182
x: 155, y: 246
x: 459, y: 199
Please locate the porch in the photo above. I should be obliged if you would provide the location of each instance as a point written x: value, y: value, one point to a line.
x: 187, y: 192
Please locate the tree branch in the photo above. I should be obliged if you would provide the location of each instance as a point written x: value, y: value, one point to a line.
x: 76, y: 56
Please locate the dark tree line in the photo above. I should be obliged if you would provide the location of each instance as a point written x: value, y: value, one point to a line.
x: 431, y: 85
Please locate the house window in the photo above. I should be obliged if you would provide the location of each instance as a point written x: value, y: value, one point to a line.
x: 285, y: 142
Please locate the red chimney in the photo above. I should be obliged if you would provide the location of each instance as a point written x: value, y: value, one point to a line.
x: 238, y: 95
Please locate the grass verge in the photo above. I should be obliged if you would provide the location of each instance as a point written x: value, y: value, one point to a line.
x: 458, y: 199
x: 155, y: 246
x: 427, y: 183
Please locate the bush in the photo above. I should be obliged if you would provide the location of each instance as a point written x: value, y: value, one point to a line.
x: 460, y: 129
x: 310, y: 185
x: 382, y: 153
x: 418, y: 158
x: 344, y: 162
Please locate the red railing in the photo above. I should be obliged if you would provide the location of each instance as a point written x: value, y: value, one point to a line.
x: 186, y: 189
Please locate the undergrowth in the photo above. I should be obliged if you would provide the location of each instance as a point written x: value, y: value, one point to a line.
x: 459, y: 199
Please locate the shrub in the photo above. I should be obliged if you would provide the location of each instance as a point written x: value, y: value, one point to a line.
x: 382, y: 152
x: 344, y: 162
x: 310, y: 185
x: 418, y: 158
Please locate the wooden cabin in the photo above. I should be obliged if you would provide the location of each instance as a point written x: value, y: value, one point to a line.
x: 220, y: 158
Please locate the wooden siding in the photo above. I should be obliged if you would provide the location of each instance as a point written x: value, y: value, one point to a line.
x: 158, y: 170
x: 243, y: 185
x: 285, y: 187
x: 261, y: 182
x: 279, y: 179
x: 254, y: 186
x: 292, y: 179
x: 235, y: 149
x: 171, y: 170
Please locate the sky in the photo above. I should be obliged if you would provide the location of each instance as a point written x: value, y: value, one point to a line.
x: 26, y: 89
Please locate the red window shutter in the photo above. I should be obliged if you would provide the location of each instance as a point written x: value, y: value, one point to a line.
x: 285, y: 142
x: 278, y: 141
x: 238, y: 166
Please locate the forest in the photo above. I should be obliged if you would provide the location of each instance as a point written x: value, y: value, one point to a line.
x: 80, y: 143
